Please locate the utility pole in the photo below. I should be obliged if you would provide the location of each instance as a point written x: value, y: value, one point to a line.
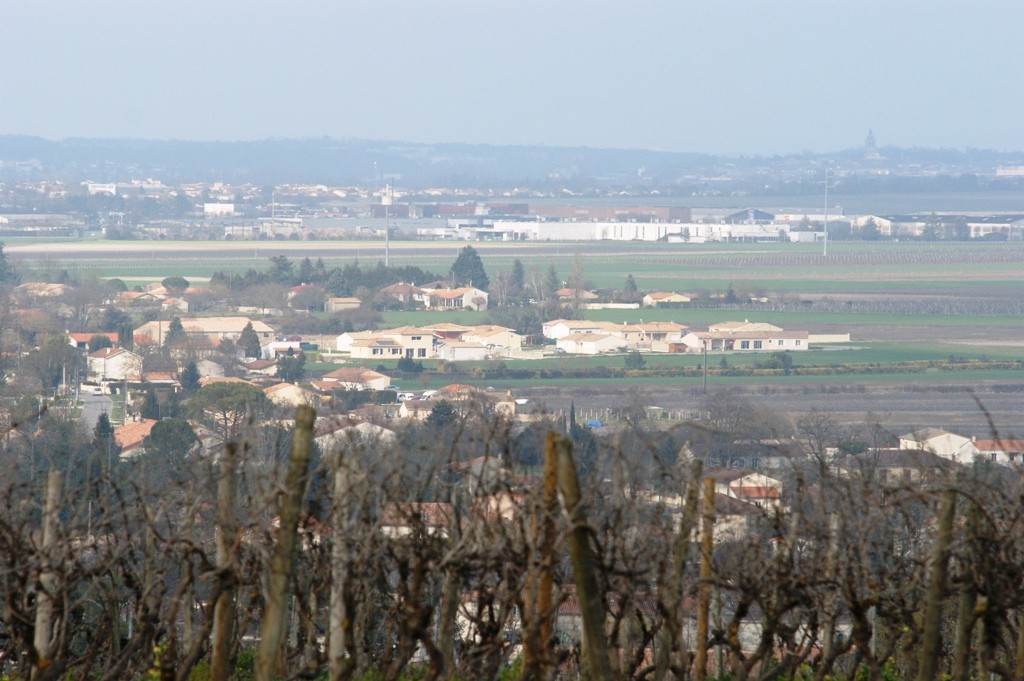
x: 825, y: 248
x: 386, y: 200
x: 704, y: 387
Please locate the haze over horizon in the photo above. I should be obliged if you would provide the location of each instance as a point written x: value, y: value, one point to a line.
x: 733, y: 77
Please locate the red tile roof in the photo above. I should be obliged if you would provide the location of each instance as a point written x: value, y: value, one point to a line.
x: 131, y: 435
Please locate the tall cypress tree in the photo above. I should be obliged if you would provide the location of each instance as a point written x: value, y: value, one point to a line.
x: 249, y: 342
x: 150, y: 405
x: 469, y: 269
x: 189, y: 378
x: 175, y: 333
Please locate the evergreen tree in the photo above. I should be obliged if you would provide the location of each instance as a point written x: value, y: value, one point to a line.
x: 150, y: 405
x: 173, y: 409
x: 634, y: 360
x: 249, y: 342
x: 103, y: 429
x: 468, y: 269
x: 551, y: 282
x: 116, y: 285
x: 104, y: 444
x: 305, y: 271
x: 175, y: 333
x: 98, y: 342
x: 189, y: 378
x: 517, y: 282
x: 281, y: 270
x: 170, y: 439
x: 730, y: 295
x: 227, y: 407
x: 7, y: 273
x: 126, y: 335
x: 630, y: 293
x: 113, y: 319
x: 292, y: 368
x: 337, y: 284
x: 175, y: 284
x: 442, y: 414
x: 167, y: 448
x: 576, y: 280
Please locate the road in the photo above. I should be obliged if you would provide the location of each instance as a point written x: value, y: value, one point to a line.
x: 92, y: 407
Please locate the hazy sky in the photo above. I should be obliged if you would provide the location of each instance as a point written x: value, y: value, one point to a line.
x: 720, y: 76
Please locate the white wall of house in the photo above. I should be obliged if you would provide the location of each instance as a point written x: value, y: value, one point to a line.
x: 458, y: 351
x: 417, y: 344
x: 117, y: 367
x: 506, y: 338
x: 371, y: 350
x: 590, y: 344
x: 950, y: 446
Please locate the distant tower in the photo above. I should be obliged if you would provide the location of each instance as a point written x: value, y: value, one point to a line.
x: 870, y: 150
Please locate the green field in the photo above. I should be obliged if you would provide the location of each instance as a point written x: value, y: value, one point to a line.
x: 850, y: 267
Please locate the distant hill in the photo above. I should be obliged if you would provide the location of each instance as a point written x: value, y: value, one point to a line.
x: 333, y: 161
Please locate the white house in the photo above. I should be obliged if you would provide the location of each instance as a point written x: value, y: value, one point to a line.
x: 357, y: 378
x: 341, y: 304
x: 496, y: 336
x: 744, y: 336
x: 207, y: 367
x: 949, y: 446
x: 656, y: 298
x: 404, y: 341
x: 376, y: 348
x: 114, y: 364
x: 416, y: 342
x: 211, y: 328
x: 591, y: 344
x: 348, y: 433
x: 462, y: 351
x: 404, y: 292
x: 559, y: 328
x: 746, y: 485
x: 462, y: 298
x: 343, y: 343
x: 289, y: 395
x: 1003, y: 450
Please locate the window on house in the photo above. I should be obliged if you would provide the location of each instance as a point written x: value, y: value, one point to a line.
x: 416, y: 338
x: 757, y: 345
x: 376, y: 351
x: 744, y: 345
x: 796, y: 342
x: 421, y: 352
